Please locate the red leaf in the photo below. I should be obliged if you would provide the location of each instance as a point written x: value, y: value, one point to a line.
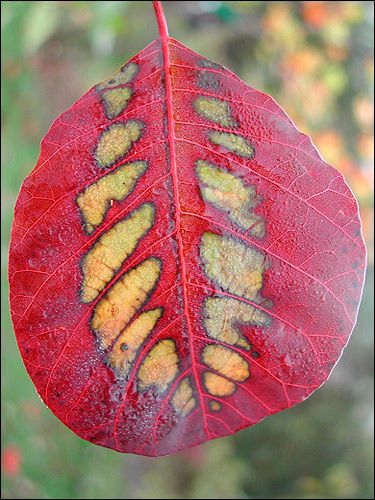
x: 183, y: 263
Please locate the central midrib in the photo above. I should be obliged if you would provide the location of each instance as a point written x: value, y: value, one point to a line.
x: 172, y: 152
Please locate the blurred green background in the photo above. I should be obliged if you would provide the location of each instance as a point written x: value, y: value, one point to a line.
x: 316, y: 59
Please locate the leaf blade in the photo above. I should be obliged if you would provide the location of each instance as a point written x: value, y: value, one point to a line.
x: 284, y: 280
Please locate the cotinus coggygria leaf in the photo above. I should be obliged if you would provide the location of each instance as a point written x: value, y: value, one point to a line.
x: 183, y: 263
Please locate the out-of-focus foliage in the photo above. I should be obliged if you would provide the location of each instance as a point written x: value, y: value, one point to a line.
x: 316, y: 59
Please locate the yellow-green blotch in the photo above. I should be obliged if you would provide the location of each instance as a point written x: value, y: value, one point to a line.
x: 95, y: 200
x: 228, y: 193
x: 215, y: 110
x: 124, y: 76
x: 234, y: 266
x: 226, y: 361
x: 183, y: 401
x: 128, y: 344
x: 112, y: 248
x: 218, y: 386
x: 223, y: 314
x: 119, y: 305
x: 116, y: 100
x: 215, y: 406
x: 159, y: 367
x: 116, y: 141
x: 233, y: 143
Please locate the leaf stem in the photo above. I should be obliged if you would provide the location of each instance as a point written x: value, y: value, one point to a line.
x: 162, y: 23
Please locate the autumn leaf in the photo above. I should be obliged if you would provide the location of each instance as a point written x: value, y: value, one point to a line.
x: 183, y: 263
